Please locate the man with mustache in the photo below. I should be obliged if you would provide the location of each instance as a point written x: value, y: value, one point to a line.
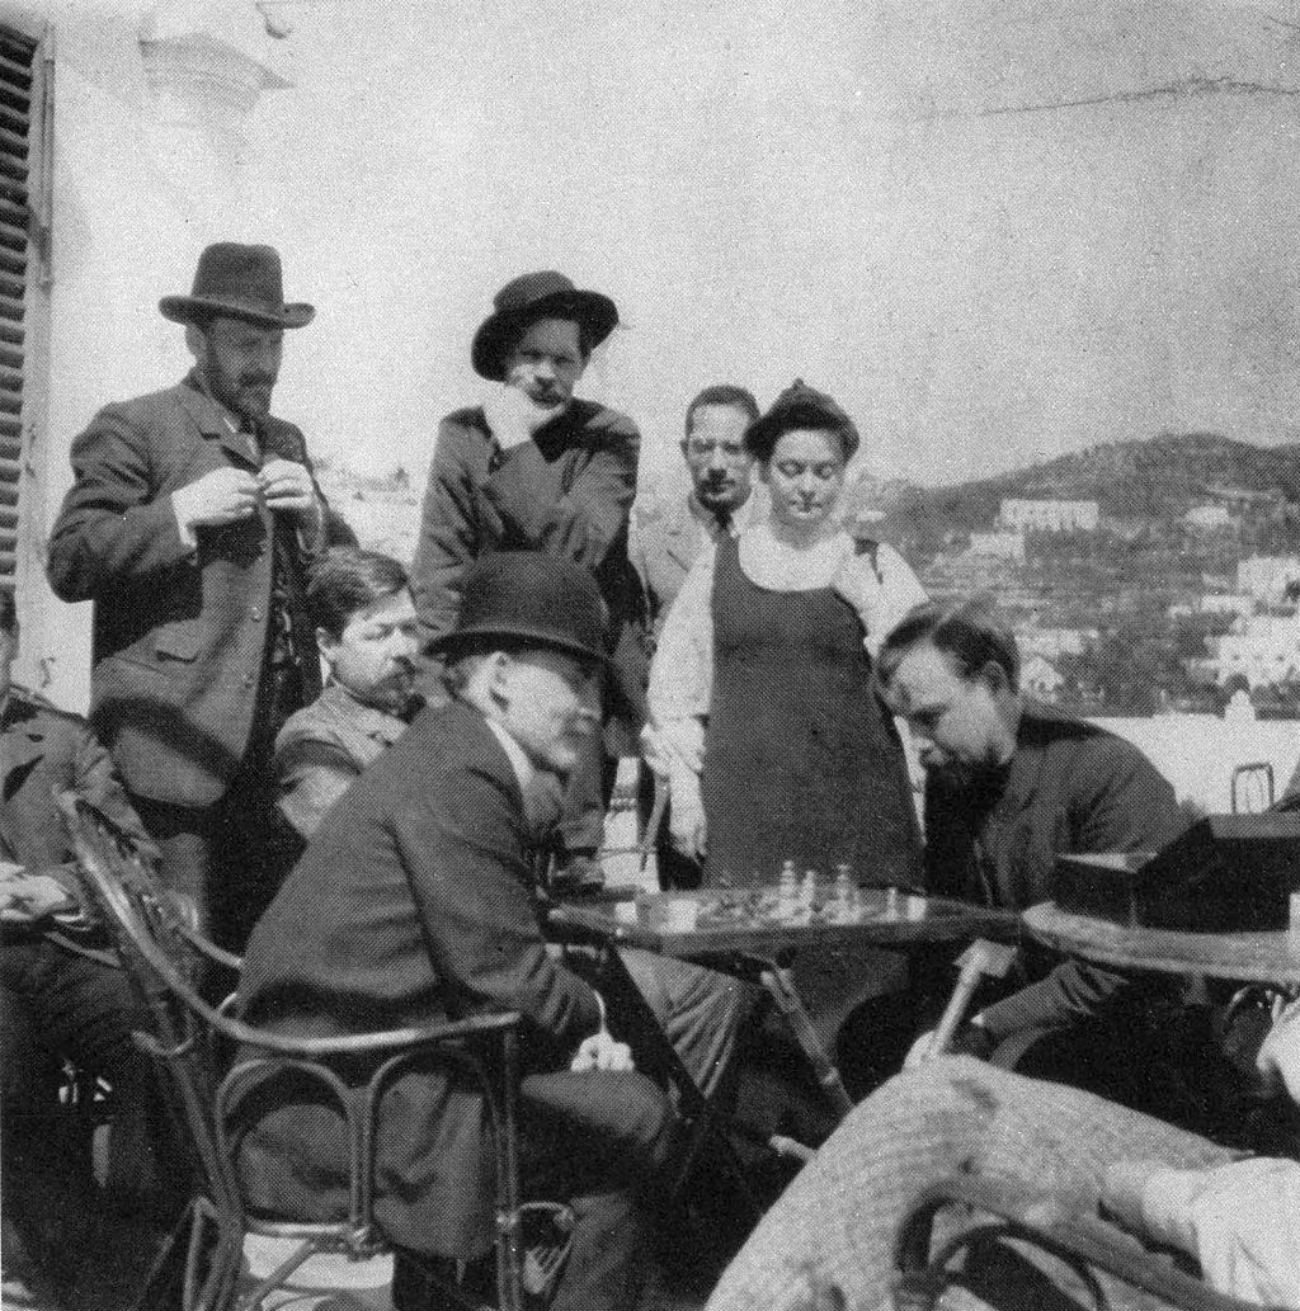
x: 668, y: 539
x: 367, y: 634
x: 534, y: 468
x: 192, y: 516
x: 721, y: 501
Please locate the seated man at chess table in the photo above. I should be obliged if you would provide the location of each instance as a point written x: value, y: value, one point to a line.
x: 63, y: 998
x: 414, y: 903
x: 1011, y: 784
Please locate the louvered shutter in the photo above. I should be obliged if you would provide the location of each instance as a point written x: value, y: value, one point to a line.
x: 22, y: 217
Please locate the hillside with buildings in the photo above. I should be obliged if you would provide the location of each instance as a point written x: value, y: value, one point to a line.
x: 1140, y: 576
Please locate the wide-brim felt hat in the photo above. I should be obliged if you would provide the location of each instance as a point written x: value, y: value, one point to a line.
x: 238, y: 282
x: 528, y: 598
x: 800, y: 406
x: 533, y: 296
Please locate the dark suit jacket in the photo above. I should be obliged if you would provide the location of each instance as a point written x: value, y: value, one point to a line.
x: 567, y: 492
x: 44, y: 751
x: 412, y: 904
x: 179, y: 634
x: 1070, y: 787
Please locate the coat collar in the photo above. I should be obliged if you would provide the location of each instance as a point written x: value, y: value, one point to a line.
x: 1039, y: 726
x: 377, y: 724
x: 216, y: 423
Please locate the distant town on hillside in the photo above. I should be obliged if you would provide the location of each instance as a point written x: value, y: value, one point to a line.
x: 1141, y: 577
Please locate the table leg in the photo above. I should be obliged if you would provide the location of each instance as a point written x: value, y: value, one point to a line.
x: 637, y: 1022
x: 780, y: 984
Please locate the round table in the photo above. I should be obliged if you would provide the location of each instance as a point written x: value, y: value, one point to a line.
x: 1249, y: 957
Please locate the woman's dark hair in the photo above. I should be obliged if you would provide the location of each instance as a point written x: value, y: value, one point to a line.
x: 347, y: 579
x: 800, y: 407
x: 970, y: 633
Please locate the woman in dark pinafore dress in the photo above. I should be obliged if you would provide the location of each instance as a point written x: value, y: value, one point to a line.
x: 766, y: 654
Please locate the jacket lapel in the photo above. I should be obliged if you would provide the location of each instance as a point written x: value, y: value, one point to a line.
x: 680, y: 544
x: 213, y: 425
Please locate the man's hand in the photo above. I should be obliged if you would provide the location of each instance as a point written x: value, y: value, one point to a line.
x: 286, y: 485
x: 513, y: 416
x: 25, y: 898
x: 688, y: 829
x: 971, y: 1039
x: 223, y: 496
x: 602, y: 1052
x: 1278, y: 1059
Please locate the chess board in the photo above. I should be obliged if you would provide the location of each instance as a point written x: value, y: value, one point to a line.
x: 716, y: 920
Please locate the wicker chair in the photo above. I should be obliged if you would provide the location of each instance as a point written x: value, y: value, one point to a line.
x: 1082, y: 1243
x: 192, y: 1041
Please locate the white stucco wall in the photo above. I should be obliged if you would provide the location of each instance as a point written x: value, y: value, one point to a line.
x: 151, y: 100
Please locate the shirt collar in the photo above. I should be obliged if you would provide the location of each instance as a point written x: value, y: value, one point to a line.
x: 524, y: 770
x: 740, y: 516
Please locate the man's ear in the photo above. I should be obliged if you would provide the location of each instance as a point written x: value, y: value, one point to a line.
x: 196, y: 341
x: 500, y: 669
x: 995, y: 678
x: 327, y: 644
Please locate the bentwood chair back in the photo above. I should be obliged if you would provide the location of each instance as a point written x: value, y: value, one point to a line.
x: 998, y: 1216
x: 193, y: 1043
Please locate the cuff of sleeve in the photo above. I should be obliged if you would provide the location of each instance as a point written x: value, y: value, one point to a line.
x: 183, y: 530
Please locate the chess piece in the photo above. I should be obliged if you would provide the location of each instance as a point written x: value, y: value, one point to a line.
x: 787, y: 892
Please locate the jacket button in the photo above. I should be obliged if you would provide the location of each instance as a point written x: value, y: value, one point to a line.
x: 249, y: 680
x: 255, y: 613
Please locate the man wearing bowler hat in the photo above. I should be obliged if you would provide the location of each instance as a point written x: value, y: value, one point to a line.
x: 536, y: 469
x: 191, y: 518
x: 413, y: 904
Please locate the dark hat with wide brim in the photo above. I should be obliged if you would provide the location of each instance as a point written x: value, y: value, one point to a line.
x: 527, y: 598
x: 238, y: 282
x: 534, y: 296
x: 800, y: 406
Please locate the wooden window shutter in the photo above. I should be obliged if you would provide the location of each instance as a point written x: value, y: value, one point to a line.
x: 25, y: 173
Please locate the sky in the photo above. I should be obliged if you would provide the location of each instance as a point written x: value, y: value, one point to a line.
x: 995, y: 230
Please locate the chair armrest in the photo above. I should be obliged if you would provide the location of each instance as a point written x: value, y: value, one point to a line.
x: 1039, y: 1218
x: 360, y: 1044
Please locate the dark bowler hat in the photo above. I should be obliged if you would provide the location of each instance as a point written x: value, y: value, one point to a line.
x: 529, y: 598
x: 534, y: 296
x: 800, y: 406
x: 241, y: 282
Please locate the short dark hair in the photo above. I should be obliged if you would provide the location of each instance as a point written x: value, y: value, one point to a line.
x: 971, y: 633
x: 347, y: 579
x: 724, y: 393
x: 8, y: 612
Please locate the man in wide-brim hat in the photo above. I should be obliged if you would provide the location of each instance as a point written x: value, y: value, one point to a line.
x: 192, y: 516
x: 414, y: 903
x: 534, y: 468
